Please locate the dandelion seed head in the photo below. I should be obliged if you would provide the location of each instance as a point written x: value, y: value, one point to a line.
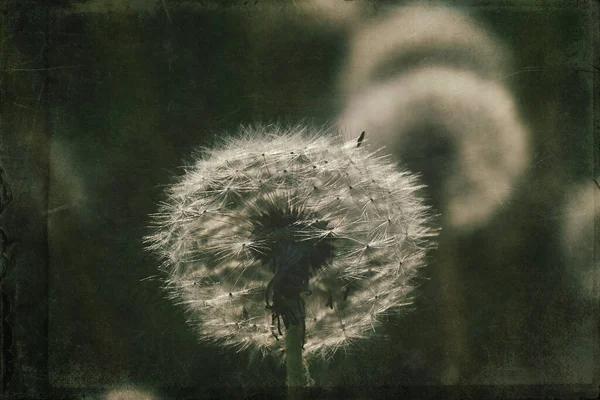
x: 428, y: 82
x: 421, y: 34
x: 277, y: 213
x: 580, y: 228
x: 490, y: 143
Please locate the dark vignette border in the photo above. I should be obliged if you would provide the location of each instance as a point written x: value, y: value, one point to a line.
x: 24, y: 342
x: 24, y: 149
x: 6, y: 257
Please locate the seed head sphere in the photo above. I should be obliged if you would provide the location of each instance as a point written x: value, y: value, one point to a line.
x: 281, y: 226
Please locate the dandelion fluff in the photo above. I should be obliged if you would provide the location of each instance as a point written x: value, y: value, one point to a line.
x: 287, y: 213
x: 331, y: 12
x: 128, y: 392
x: 419, y: 35
x: 478, y: 116
x: 579, y: 236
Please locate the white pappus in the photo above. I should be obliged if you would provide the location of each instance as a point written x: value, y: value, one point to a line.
x: 278, y: 213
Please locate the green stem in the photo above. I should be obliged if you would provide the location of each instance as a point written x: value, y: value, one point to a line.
x: 296, y: 378
x: 293, y: 356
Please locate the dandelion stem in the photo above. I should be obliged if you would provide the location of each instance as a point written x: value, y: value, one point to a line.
x: 452, y: 312
x: 296, y: 379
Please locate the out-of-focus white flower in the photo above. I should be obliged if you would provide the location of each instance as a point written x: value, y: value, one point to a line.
x: 331, y: 12
x: 477, y: 115
x: 579, y: 236
x: 423, y: 76
x: 289, y: 213
x: 420, y: 35
x: 128, y: 392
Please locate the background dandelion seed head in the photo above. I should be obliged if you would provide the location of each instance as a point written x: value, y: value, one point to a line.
x: 579, y: 237
x: 428, y: 82
x: 420, y: 35
x: 487, y: 141
x: 343, y: 220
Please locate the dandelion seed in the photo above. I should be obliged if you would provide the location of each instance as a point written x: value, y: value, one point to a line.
x: 360, y: 139
x: 279, y: 256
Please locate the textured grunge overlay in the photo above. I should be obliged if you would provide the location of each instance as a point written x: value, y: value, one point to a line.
x: 6, y: 250
x: 489, y: 105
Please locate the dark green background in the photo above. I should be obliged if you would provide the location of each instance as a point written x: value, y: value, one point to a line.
x: 101, y: 108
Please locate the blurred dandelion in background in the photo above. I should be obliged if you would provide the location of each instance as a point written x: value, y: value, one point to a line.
x: 579, y: 237
x: 418, y: 35
x: 331, y: 13
x: 575, y: 352
x: 283, y: 227
x: 128, y: 392
x: 424, y: 81
x: 470, y: 140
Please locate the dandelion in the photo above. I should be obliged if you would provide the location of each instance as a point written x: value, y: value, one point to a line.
x: 330, y: 12
x: 287, y: 230
x: 427, y: 82
x: 419, y: 35
x: 488, y: 142
x: 128, y: 392
x: 579, y: 236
